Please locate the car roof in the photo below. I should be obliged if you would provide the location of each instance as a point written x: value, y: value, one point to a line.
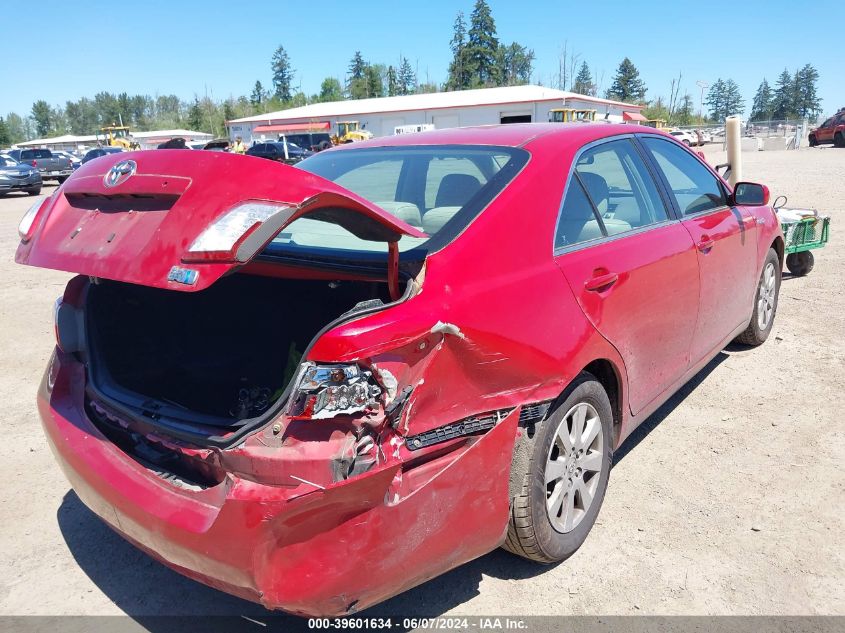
x: 507, y: 135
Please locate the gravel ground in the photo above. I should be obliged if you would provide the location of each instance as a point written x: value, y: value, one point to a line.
x: 729, y: 500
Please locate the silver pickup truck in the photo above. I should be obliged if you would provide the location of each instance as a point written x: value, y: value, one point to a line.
x: 51, y: 167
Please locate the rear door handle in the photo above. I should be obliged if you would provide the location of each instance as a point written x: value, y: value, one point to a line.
x: 601, y: 282
x: 705, y: 244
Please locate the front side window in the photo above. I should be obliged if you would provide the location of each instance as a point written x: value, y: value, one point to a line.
x: 693, y: 186
x: 438, y: 189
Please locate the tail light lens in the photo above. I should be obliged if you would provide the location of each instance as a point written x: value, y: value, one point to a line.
x: 326, y: 391
x: 28, y: 224
x: 238, y: 234
x: 35, y: 163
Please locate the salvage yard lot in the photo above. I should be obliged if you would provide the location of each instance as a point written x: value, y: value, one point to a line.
x: 729, y: 500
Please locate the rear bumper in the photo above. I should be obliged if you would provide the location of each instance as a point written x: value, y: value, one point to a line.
x: 304, y: 550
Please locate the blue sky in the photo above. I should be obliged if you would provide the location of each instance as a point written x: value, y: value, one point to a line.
x: 160, y: 47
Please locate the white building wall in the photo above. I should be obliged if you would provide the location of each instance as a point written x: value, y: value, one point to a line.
x: 384, y: 124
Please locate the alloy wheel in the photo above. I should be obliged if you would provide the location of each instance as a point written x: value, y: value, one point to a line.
x: 766, y: 296
x: 573, y: 467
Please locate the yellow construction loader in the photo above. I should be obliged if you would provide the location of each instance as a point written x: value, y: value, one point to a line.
x: 568, y: 115
x: 117, y: 136
x: 349, y: 132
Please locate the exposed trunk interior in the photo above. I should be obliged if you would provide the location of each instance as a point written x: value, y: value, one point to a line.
x: 228, y: 351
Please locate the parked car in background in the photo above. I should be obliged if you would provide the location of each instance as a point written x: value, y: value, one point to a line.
x: 49, y: 166
x: 75, y: 161
x: 831, y: 131
x: 91, y: 154
x: 217, y: 145
x: 314, y: 141
x: 281, y: 152
x: 15, y: 176
x: 686, y: 137
x: 705, y: 136
x: 319, y: 386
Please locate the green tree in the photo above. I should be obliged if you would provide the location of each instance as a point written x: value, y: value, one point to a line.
x: 515, y: 64
x: 460, y: 68
x: 483, y: 46
x: 584, y: 81
x: 761, y: 107
x: 330, y: 90
x: 782, y: 101
x: 806, y: 101
x: 733, y: 99
x: 392, y: 82
x: 5, y: 135
x: 375, y: 80
x: 41, y: 115
x: 195, y: 116
x: 685, y: 114
x: 627, y: 85
x: 356, y: 84
x: 258, y: 96
x: 407, y: 80
x: 229, y: 110
x: 724, y: 99
x: 16, y: 127
x: 282, y: 74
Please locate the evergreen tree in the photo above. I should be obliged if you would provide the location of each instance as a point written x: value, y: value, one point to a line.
x: 392, y: 82
x: 5, y: 136
x: 584, y: 81
x: 375, y: 82
x: 483, y: 46
x: 407, y: 80
x: 195, y: 116
x: 515, y: 64
x: 357, y: 85
x: 806, y: 101
x: 282, y: 74
x: 761, y: 107
x: 460, y: 67
x: 733, y: 102
x: 229, y: 111
x: 330, y: 90
x: 715, y: 100
x: 41, y: 116
x: 17, y: 128
x: 258, y: 96
x: 685, y: 114
x: 782, y: 102
x: 627, y: 85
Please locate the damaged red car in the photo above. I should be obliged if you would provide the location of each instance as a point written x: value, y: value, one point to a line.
x: 316, y: 387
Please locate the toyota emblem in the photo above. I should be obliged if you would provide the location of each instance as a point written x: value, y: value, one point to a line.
x: 120, y: 172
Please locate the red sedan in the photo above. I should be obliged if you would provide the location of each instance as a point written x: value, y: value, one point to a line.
x: 318, y: 386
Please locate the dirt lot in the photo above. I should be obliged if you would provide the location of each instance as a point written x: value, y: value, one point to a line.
x: 728, y: 501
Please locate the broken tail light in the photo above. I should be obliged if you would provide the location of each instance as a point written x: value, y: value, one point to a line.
x: 325, y: 391
x: 28, y: 224
x: 238, y: 234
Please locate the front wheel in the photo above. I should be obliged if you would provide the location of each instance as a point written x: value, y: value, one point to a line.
x: 813, y: 141
x: 839, y: 140
x: 566, y: 477
x: 34, y: 191
x: 800, y: 264
x: 765, y: 303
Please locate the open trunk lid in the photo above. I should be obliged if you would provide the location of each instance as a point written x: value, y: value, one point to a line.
x: 181, y: 220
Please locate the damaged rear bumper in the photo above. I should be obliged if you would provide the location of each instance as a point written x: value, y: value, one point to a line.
x: 306, y: 550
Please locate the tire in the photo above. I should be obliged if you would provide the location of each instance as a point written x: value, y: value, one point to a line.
x: 839, y: 140
x: 813, y: 141
x: 800, y: 264
x: 34, y: 192
x: 324, y: 145
x: 61, y: 179
x: 531, y: 531
x: 687, y: 143
x: 765, y: 303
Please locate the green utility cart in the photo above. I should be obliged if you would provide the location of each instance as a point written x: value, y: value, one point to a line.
x: 803, y: 231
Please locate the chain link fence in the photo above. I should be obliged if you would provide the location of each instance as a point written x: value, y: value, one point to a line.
x: 774, y: 134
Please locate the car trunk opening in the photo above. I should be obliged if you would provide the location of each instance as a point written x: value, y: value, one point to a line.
x: 218, y: 358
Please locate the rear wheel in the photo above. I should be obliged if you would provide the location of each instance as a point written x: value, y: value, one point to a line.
x: 566, y: 477
x: 839, y: 140
x: 800, y: 264
x: 765, y: 303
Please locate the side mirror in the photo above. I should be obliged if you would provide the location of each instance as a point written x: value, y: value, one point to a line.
x: 751, y: 194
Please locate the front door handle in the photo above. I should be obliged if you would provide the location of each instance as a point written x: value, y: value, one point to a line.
x: 601, y: 282
x: 705, y: 244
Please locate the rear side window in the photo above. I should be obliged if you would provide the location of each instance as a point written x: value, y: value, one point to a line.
x: 694, y: 188
x: 43, y: 153
x: 28, y: 154
x: 578, y: 221
x: 620, y: 186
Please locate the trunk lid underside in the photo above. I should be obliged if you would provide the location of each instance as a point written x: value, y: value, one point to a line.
x: 139, y: 230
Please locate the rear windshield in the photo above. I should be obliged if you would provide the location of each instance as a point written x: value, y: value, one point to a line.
x: 29, y: 154
x: 438, y: 189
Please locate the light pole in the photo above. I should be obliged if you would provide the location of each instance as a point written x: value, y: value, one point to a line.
x: 703, y: 85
